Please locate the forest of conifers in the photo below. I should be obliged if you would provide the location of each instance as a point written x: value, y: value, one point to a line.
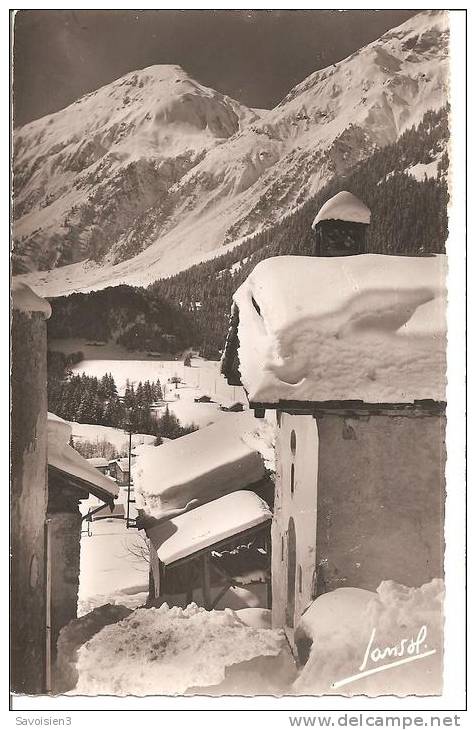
x: 191, y: 309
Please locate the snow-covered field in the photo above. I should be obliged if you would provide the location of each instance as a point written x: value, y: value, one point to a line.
x: 115, y: 436
x: 203, y: 377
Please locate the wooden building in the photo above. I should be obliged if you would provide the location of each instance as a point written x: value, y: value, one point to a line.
x: 185, y: 551
x: 207, y: 493
x: 119, y: 470
x: 204, y: 398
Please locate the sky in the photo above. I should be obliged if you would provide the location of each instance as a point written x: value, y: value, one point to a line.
x: 255, y: 56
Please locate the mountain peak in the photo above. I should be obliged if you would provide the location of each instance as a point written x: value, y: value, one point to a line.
x: 155, y: 171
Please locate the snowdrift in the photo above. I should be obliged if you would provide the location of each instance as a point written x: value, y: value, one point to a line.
x: 339, y: 625
x: 74, y: 635
x: 169, y: 651
x: 368, y: 327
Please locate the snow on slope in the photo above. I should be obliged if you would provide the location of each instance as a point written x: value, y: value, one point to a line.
x: 218, y: 189
x: 116, y: 436
x: 84, y: 173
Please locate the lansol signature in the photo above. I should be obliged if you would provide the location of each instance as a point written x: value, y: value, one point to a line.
x: 406, y: 650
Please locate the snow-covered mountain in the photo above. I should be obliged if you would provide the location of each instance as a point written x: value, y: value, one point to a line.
x: 155, y: 172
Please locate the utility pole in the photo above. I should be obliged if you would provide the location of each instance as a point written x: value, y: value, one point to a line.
x: 129, y: 522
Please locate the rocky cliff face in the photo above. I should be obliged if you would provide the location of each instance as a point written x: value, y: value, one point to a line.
x: 154, y: 172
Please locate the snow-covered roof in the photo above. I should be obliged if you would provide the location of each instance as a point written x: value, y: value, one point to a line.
x: 97, y: 461
x: 64, y: 458
x: 343, y: 207
x: 198, y: 467
x: 367, y: 327
x: 207, y: 525
x: 24, y: 299
x: 123, y: 463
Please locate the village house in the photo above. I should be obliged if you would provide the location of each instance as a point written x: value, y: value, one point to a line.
x: 349, y: 351
x: 119, y: 470
x: 203, y: 398
x: 71, y: 480
x: 48, y: 480
x: 205, y: 503
x: 232, y: 406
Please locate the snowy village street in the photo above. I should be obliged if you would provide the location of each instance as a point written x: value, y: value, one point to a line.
x: 191, y: 491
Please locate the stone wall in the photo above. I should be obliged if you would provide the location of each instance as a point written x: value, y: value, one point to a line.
x: 28, y: 501
x: 64, y: 535
x: 365, y: 498
x: 381, y: 500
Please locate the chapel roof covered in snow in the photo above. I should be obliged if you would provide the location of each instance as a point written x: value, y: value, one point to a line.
x: 344, y: 207
x: 198, y: 467
x: 65, y: 461
x: 368, y: 328
x: 209, y: 524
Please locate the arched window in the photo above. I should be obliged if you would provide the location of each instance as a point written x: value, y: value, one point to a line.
x: 292, y: 479
x: 292, y: 442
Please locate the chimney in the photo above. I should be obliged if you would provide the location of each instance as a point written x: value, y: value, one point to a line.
x: 341, y: 226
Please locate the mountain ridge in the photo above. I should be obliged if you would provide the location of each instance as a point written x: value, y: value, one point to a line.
x: 232, y: 172
x: 409, y: 175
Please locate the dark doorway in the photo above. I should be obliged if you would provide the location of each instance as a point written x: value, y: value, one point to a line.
x: 291, y: 598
